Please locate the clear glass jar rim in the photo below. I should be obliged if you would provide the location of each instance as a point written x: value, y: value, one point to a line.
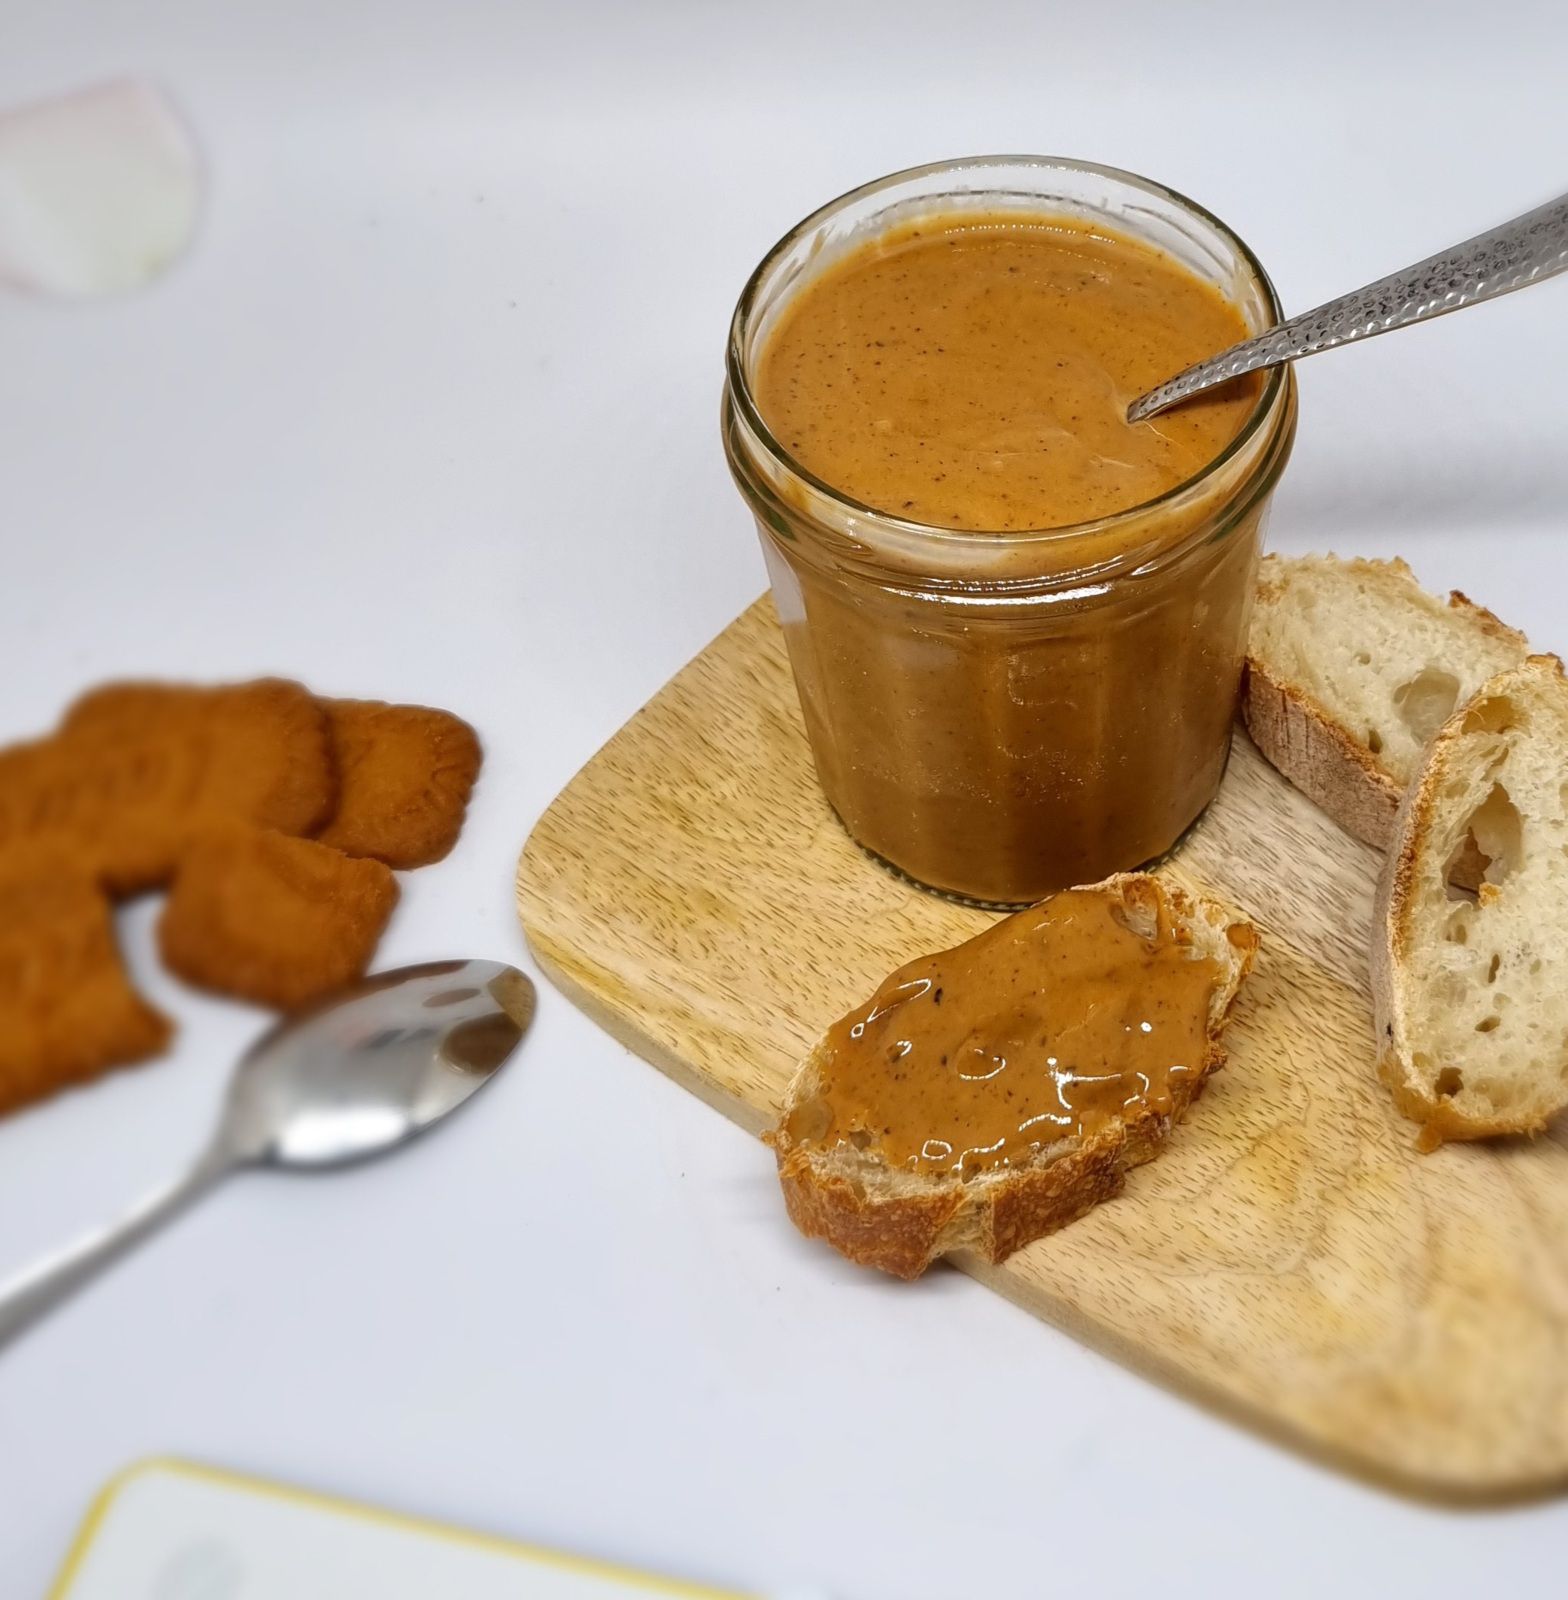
x: 1269, y: 402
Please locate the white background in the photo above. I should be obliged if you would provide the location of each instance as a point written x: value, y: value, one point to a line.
x: 431, y: 414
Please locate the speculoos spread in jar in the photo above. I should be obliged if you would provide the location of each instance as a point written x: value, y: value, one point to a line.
x: 1016, y: 621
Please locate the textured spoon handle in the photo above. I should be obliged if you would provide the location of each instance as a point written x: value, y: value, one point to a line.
x: 1521, y: 252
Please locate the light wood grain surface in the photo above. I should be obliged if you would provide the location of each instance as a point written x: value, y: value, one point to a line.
x: 1289, y: 1257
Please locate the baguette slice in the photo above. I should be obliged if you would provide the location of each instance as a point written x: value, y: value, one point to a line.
x: 1472, y: 1012
x: 1351, y: 668
x: 881, y: 1216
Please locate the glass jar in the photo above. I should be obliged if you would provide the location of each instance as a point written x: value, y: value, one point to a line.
x: 1000, y: 715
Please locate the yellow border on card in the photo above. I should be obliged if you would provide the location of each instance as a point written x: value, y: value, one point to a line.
x: 111, y: 1491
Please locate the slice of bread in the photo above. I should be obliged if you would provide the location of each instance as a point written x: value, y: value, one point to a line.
x: 846, y: 1191
x: 1472, y: 1013
x: 1351, y: 668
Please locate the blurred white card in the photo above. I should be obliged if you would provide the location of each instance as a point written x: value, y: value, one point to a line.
x: 166, y: 1530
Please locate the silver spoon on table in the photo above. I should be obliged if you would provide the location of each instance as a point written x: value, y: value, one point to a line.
x: 353, y: 1078
x: 1525, y: 251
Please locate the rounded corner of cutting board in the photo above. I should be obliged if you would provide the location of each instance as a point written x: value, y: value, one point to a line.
x: 527, y: 891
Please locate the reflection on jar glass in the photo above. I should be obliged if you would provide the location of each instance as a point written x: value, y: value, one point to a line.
x: 999, y: 714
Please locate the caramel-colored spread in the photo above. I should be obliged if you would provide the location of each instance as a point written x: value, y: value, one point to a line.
x: 976, y: 373
x: 1002, y: 712
x: 1044, y: 1027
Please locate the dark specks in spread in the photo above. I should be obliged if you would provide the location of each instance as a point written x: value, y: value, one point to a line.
x: 1011, y: 351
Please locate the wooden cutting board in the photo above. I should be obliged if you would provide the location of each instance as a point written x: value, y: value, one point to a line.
x: 1290, y: 1256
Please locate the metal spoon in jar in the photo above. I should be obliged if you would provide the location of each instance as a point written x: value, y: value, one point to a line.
x: 1525, y: 251
x: 353, y: 1078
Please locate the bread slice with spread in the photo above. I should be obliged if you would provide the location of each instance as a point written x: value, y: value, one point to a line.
x: 992, y: 1093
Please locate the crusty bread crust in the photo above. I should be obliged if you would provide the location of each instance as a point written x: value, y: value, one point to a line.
x: 1487, y: 621
x: 1392, y: 939
x: 901, y: 1222
x: 1318, y: 755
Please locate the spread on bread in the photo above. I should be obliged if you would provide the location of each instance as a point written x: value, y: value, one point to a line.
x: 988, y: 1095
x: 1045, y: 1027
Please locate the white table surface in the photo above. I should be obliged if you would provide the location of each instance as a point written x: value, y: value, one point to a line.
x: 431, y: 413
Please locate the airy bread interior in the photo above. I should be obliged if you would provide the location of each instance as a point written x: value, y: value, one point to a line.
x: 1472, y: 1011
x: 1379, y: 655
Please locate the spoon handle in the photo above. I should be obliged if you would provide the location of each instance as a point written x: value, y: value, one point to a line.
x: 39, y: 1289
x: 1525, y: 251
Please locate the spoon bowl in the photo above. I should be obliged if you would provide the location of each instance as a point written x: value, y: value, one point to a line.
x: 360, y: 1074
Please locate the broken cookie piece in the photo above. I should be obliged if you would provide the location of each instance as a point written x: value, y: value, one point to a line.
x: 273, y: 919
x: 68, y: 1012
x: 405, y: 774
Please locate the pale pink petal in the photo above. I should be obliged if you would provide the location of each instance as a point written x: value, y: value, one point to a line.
x: 99, y: 190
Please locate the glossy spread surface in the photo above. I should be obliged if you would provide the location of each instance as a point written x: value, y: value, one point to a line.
x: 1044, y: 1027
x: 975, y: 372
